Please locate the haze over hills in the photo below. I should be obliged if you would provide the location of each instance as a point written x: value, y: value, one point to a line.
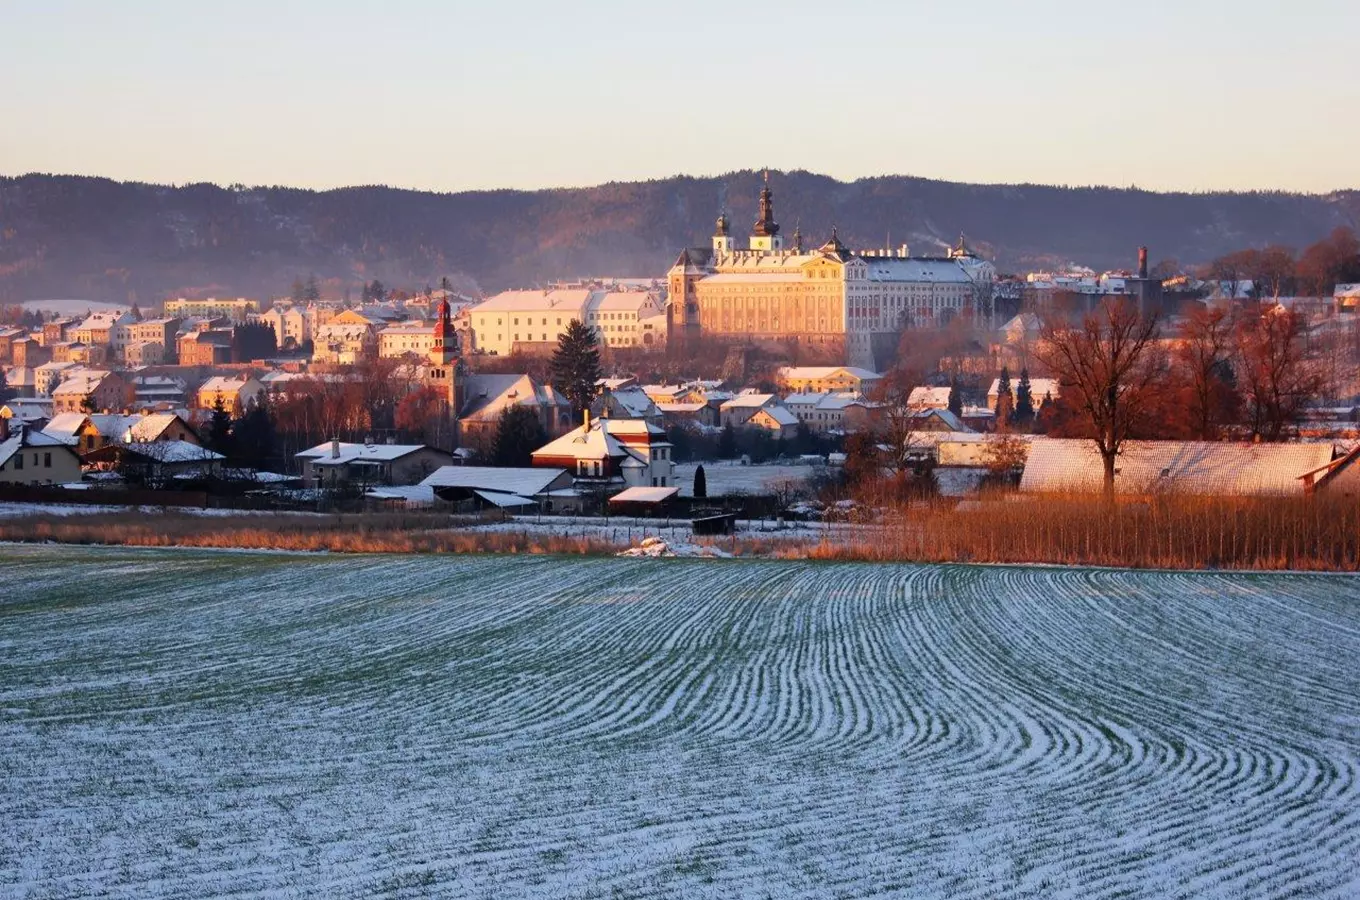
x: 71, y: 236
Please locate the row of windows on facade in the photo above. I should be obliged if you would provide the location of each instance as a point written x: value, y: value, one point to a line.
x: 19, y: 461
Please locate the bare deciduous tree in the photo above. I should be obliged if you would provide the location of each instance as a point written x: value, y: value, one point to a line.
x: 1278, y: 373
x: 1203, y: 356
x: 1108, y: 365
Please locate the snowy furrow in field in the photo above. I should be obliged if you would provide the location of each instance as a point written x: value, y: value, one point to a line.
x: 260, y: 725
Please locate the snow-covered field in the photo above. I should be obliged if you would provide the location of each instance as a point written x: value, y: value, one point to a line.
x: 194, y: 724
x: 725, y: 477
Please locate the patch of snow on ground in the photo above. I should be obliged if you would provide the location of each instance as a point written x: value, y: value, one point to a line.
x: 655, y: 548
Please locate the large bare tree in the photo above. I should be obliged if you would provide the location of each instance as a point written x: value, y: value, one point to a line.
x: 1108, y: 366
x: 1203, y: 357
x: 1279, y: 373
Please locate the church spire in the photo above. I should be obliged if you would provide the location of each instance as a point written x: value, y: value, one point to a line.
x: 766, y: 225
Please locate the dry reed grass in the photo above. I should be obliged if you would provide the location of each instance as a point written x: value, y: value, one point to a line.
x: 1321, y: 534
x: 340, y: 534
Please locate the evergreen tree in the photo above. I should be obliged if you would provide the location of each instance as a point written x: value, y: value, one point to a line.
x: 518, y: 435
x: 1005, y: 400
x: 299, y: 291
x: 136, y: 312
x: 955, y: 397
x: 700, y: 484
x: 219, y: 429
x: 5, y: 392
x: 445, y: 284
x: 253, y: 435
x: 575, y: 365
x: 1024, y: 400
x: 311, y: 292
x: 727, y: 443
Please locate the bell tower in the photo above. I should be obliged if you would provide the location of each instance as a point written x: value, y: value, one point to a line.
x: 765, y: 235
x: 722, y: 238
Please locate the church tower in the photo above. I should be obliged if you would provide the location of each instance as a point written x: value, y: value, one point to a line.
x: 722, y: 238
x: 444, y: 355
x: 765, y: 235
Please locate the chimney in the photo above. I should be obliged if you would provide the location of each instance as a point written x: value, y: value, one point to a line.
x: 4, y: 428
x: 1142, y: 262
x: 587, y: 419
x: 335, y: 448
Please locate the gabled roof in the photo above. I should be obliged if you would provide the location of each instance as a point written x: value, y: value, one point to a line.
x: 749, y: 401
x: 526, y: 482
x: 170, y: 451
x: 779, y: 414
x: 321, y: 453
x: 25, y: 438
x: 818, y: 373
x: 487, y: 396
x: 64, y: 426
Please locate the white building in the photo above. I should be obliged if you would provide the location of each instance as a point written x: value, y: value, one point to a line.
x: 531, y: 321
x: 289, y: 323
x: 405, y: 339
x: 238, y: 310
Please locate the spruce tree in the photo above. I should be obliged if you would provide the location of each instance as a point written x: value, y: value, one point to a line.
x: 1024, y: 400
x: 955, y: 397
x: 311, y: 292
x: 5, y: 392
x: 518, y: 435
x: 219, y: 429
x: 727, y: 443
x: 575, y: 365
x: 700, y: 484
x: 1003, y: 390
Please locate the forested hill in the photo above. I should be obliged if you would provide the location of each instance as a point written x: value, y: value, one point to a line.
x: 66, y: 236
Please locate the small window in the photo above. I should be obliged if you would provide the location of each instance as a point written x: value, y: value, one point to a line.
x: 18, y: 461
x: 47, y: 460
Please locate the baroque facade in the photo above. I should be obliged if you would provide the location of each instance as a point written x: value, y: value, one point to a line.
x: 844, y: 305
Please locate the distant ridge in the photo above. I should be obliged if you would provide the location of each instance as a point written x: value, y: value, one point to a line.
x: 73, y: 236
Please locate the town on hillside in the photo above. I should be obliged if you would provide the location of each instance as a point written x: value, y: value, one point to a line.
x: 782, y: 375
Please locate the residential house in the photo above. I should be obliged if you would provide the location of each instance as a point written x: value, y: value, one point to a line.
x: 144, y: 353
x: 21, y: 381
x: 626, y: 403
x: 156, y: 463
x: 689, y: 415
x: 406, y: 339
x: 210, y: 347
x: 1177, y: 467
x: 47, y: 376
x: 7, y: 338
x: 821, y: 411
x: 928, y: 398
x: 834, y: 379
x: 56, y: 331
x: 91, y: 389
x: 33, y: 412
x: 154, y: 390
x: 612, y: 454
x: 337, y: 463
x: 31, y: 457
x: 28, y: 352
x: 344, y: 342
x: 236, y: 393
x: 106, y: 329
x: 776, y: 419
x: 292, y: 326
x: 162, y: 331
x: 738, y: 410
x: 1038, y: 389
x: 487, y: 397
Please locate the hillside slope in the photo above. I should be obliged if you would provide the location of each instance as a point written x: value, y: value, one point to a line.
x: 105, y: 240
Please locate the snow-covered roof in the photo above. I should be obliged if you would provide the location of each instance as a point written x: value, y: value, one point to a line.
x: 525, y: 481
x: 1190, y: 467
x: 749, y: 401
x: 644, y: 495
x: 63, y: 426
x: 779, y: 414
x: 1038, y: 387
x: 819, y: 373
x: 556, y: 301
x: 915, y: 269
x: 348, y: 453
x: 503, y: 500
x: 937, y: 397
x: 25, y: 438
x: 634, y: 401
x: 171, y: 451
x: 223, y: 384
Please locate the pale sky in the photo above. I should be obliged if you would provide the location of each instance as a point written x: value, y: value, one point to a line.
x: 456, y: 95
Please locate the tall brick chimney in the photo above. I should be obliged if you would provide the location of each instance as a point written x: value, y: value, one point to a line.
x: 1142, y: 262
